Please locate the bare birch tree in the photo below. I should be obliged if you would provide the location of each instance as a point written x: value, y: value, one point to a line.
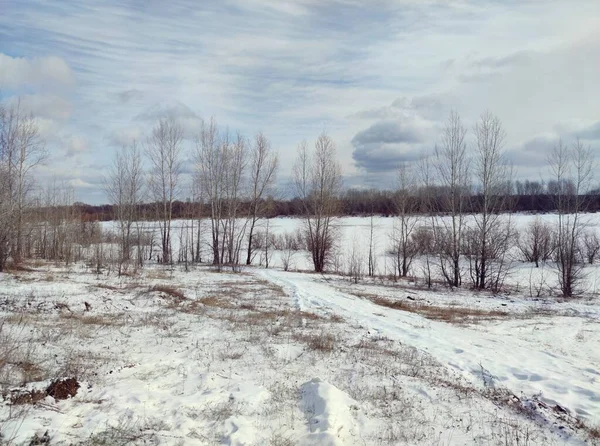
x: 164, y: 149
x: 574, y: 167
x: 318, y: 182
x: 263, y: 170
x: 21, y: 149
x: 221, y: 165
x: 488, y: 240
x: 404, y: 248
x: 124, y: 187
x: 452, y: 168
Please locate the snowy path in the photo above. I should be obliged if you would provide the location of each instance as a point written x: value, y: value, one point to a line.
x: 520, y: 358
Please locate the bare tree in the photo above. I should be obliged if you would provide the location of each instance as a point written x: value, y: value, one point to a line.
x: 318, y: 182
x: 263, y: 170
x: 452, y: 168
x: 492, y: 228
x: 21, y: 150
x: 372, y: 259
x: 355, y: 261
x: 574, y: 166
x: 591, y: 246
x: 536, y: 243
x: 164, y: 151
x: 221, y: 165
x: 124, y: 187
x: 289, y: 244
x: 5, y: 196
x: 404, y: 248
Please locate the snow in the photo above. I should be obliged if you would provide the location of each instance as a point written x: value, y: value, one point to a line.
x: 269, y: 357
x: 328, y: 413
x: 539, y: 355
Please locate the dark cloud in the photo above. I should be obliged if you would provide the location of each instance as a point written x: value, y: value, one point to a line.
x: 127, y: 96
x: 386, y: 132
x: 592, y: 132
x: 489, y: 68
x: 381, y: 159
x: 532, y: 153
x: 175, y: 110
x: 385, y: 145
x: 518, y: 58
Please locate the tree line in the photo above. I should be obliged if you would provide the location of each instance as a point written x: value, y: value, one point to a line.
x: 452, y: 210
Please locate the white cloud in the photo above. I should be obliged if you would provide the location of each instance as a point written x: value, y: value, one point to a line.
x: 76, y: 145
x: 78, y: 183
x: 49, y: 71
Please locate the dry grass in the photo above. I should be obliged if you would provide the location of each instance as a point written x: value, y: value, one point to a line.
x: 594, y: 434
x: 113, y: 320
x: 157, y: 275
x: 215, y: 301
x: 18, y: 396
x: 169, y: 291
x: 317, y: 341
x: 450, y: 314
x: 106, y: 287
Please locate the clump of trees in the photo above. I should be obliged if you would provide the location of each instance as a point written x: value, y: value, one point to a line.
x: 452, y: 210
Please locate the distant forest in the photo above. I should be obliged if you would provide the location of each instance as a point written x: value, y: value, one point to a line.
x: 354, y: 202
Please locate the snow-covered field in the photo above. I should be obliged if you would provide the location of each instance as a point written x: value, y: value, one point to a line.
x: 269, y: 357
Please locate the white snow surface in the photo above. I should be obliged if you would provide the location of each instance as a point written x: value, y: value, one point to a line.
x: 538, y: 355
x: 273, y: 357
x: 328, y: 413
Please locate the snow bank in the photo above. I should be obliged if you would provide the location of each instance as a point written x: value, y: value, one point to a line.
x: 328, y: 413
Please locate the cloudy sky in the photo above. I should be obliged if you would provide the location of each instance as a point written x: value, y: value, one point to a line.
x: 379, y: 76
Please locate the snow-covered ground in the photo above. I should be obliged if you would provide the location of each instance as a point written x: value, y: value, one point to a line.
x: 354, y: 235
x: 269, y: 357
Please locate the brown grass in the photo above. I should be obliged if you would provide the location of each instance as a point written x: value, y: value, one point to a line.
x: 113, y: 320
x: 106, y: 287
x: 157, y: 274
x: 217, y: 302
x: 321, y: 342
x: 170, y: 291
x: 451, y: 314
x: 18, y: 397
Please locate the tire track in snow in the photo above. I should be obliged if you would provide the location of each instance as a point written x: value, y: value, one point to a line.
x: 520, y: 365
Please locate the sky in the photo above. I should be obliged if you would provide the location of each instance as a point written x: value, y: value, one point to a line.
x: 380, y: 77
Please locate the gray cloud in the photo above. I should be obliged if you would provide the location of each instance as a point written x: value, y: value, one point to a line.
x: 386, y: 132
x: 533, y: 153
x: 592, y: 132
x: 517, y: 58
x: 383, y: 146
x: 127, y: 96
x: 174, y: 110
x: 76, y: 145
x: 434, y: 107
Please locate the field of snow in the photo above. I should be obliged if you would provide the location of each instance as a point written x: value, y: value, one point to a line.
x: 271, y: 357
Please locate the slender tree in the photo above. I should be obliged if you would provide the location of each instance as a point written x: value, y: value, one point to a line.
x: 124, y: 188
x: 452, y: 168
x: 164, y: 149
x: 220, y: 172
x: 318, y: 182
x: 21, y: 150
x: 492, y: 228
x: 263, y: 170
x: 404, y: 247
x: 572, y: 169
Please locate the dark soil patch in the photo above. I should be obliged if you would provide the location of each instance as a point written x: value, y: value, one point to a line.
x: 63, y: 389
